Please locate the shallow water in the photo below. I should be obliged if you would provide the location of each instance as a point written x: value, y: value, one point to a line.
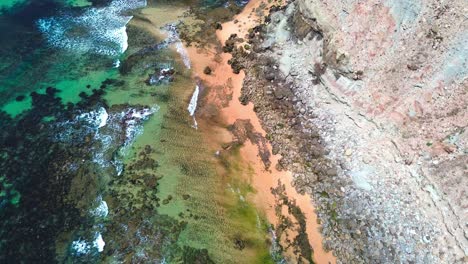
x: 97, y: 163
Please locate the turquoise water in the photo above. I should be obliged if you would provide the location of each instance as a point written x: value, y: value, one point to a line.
x: 96, y: 157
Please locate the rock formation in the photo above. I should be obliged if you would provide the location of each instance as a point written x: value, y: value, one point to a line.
x: 367, y: 103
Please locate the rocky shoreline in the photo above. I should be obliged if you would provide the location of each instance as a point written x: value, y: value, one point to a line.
x: 379, y: 200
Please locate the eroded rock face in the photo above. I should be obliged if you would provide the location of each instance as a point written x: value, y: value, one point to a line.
x: 366, y: 102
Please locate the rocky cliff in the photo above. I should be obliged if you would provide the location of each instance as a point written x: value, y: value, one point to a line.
x: 367, y: 103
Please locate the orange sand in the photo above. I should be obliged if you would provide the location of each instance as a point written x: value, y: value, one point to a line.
x: 263, y: 180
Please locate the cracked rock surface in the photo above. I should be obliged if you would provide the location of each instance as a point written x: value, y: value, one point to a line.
x: 367, y: 104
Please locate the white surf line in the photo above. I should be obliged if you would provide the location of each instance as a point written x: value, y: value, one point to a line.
x: 99, y: 242
x: 183, y: 53
x: 106, y: 29
x: 102, y: 210
x: 192, y: 107
x: 174, y: 38
x: 83, y: 247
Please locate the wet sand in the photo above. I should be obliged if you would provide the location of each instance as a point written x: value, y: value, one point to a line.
x: 263, y: 180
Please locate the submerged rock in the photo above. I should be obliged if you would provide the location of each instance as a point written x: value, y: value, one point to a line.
x: 161, y: 76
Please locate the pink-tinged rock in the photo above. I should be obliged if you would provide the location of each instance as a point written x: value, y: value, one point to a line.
x: 438, y: 149
x: 418, y: 108
x: 398, y: 118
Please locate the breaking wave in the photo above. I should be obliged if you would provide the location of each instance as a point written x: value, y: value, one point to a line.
x: 97, y: 30
x: 111, y: 132
x: 84, y: 247
x: 174, y: 38
x: 102, y: 210
x: 183, y: 53
x: 192, y: 107
x: 107, y: 130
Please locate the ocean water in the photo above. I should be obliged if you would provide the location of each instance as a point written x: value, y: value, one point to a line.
x: 98, y: 163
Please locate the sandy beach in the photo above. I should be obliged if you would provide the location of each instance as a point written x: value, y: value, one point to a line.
x: 264, y: 180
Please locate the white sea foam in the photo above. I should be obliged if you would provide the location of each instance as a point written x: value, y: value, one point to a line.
x: 106, y: 140
x: 89, y: 122
x: 144, y: 113
x: 192, y: 107
x: 195, y: 123
x: 102, y: 210
x: 83, y: 247
x: 98, y: 158
x: 183, y: 53
x: 129, y: 122
x: 97, y: 30
x: 95, y: 118
x: 117, y: 64
x: 118, y: 165
x: 98, y: 152
x: 133, y: 122
x: 102, y: 117
x: 173, y: 37
x: 99, y: 242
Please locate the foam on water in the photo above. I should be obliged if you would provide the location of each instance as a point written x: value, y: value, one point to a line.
x: 195, y: 124
x: 98, y: 158
x: 133, y: 119
x: 83, y: 247
x: 99, y: 243
x: 128, y: 122
x: 116, y: 64
x: 132, y: 122
x: 96, y: 118
x: 192, y: 107
x: 275, y: 247
x: 118, y: 165
x: 97, y: 30
x: 108, y: 149
x: 103, y: 117
x: 174, y: 38
x: 102, y: 210
x: 89, y: 122
x: 183, y: 53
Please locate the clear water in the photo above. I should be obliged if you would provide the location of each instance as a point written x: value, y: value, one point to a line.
x: 95, y: 164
